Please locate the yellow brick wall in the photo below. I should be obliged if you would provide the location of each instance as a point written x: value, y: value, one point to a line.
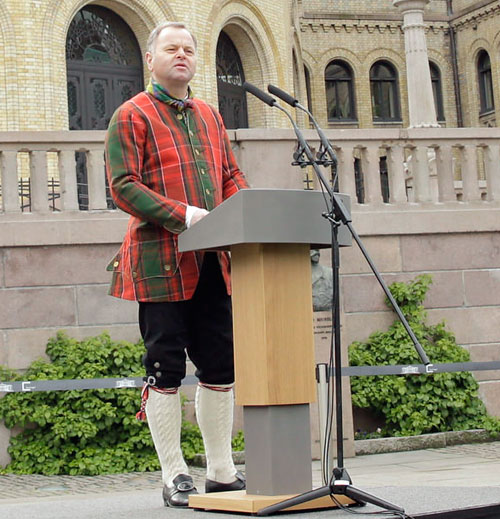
x: 33, y: 37
x: 478, y: 31
x: 360, y: 45
x: 7, y: 70
x: 461, y: 5
x: 376, y: 7
x: 362, y: 41
x: 260, y: 33
x: 267, y: 34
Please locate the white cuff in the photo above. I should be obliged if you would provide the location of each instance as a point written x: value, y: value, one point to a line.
x: 190, y: 210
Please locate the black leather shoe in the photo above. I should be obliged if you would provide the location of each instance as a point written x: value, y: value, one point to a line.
x: 177, y: 495
x: 240, y: 483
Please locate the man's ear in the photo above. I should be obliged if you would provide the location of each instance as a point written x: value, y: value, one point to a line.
x: 149, y: 59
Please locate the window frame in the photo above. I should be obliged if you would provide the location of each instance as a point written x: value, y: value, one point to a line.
x: 349, y: 80
x: 393, y: 83
x: 437, y: 91
x: 485, y: 81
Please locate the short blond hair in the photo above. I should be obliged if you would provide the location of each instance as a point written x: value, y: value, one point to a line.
x: 155, y: 33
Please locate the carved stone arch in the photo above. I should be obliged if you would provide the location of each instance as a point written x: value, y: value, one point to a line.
x: 309, y: 86
x: 478, y: 45
x: 141, y: 17
x: 437, y: 56
x: 230, y: 78
x: 299, y: 79
x: 104, y: 67
x: 495, y: 44
x: 251, y: 35
x: 386, y: 55
x: 341, y: 54
x: 249, y: 53
x: 9, y: 98
x: 310, y: 59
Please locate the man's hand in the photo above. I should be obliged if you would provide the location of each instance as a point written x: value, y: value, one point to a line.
x: 197, y: 216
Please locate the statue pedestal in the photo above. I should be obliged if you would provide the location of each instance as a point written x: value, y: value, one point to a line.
x: 322, y: 325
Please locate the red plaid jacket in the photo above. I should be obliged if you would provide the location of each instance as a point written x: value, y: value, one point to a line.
x: 158, y: 161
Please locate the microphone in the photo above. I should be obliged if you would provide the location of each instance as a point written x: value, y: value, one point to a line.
x: 283, y: 95
x: 302, y: 146
x: 325, y: 143
x: 257, y: 92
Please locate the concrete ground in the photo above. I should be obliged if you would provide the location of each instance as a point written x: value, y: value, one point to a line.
x: 418, y: 481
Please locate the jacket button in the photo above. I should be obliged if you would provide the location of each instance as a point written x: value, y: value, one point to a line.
x: 179, y: 116
x: 158, y: 374
x: 197, y: 152
x: 116, y: 263
x: 156, y: 364
x: 167, y: 267
x: 207, y: 191
x: 134, y: 274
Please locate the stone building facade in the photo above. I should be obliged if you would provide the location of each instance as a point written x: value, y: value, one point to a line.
x: 292, y: 43
x: 346, y: 60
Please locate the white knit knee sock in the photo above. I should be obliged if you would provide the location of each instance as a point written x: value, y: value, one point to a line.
x: 214, y: 412
x: 164, y: 420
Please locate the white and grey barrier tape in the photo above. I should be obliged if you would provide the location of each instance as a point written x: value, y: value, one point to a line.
x: 137, y: 382
x: 79, y: 384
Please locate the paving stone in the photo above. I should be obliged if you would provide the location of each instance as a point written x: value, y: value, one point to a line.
x: 451, y: 463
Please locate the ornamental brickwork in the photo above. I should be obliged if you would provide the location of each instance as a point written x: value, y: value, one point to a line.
x: 275, y: 41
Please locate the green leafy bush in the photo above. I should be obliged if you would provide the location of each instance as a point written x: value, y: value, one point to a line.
x: 83, y: 432
x: 412, y: 405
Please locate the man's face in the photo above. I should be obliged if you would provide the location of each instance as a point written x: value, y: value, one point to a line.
x: 173, y: 60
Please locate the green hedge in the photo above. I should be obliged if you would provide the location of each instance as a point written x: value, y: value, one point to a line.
x: 412, y: 405
x: 84, y: 432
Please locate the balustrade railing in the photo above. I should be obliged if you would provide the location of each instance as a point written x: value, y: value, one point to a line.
x: 424, y: 165
x: 375, y: 167
x: 73, y: 160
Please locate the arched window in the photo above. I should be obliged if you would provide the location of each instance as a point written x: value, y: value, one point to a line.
x: 104, y: 67
x: 485, y: 82
x: 437, y: 90
x: 384, y: 92
x: 339, y: 92
x: 230, y: 78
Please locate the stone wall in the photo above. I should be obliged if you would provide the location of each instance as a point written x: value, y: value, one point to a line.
x: 52, y: 284
x: 52, y: 264
x: 313, y: 31
x: 33, y: 40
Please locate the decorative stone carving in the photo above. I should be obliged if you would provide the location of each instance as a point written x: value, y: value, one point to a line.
x: 322, y: 283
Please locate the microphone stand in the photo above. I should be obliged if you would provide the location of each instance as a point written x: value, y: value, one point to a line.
x: 340, y: 482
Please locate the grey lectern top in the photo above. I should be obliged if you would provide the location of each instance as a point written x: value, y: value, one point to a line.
x: 266, y: 216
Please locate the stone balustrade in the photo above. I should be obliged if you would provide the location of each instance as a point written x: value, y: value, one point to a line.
x: 33, y: 154
x: 423, y: 200
x: 376, y: 167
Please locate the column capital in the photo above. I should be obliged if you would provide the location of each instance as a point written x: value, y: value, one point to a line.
x: 410, y: 5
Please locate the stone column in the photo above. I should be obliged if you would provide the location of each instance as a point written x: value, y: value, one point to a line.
x: 420, y: 97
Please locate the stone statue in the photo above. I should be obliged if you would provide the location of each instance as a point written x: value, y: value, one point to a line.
x: 322, y: 283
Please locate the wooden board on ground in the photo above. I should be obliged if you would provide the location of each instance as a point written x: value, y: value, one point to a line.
x: 239, y: 501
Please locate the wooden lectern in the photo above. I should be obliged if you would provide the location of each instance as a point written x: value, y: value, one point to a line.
x: 270, y: 233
